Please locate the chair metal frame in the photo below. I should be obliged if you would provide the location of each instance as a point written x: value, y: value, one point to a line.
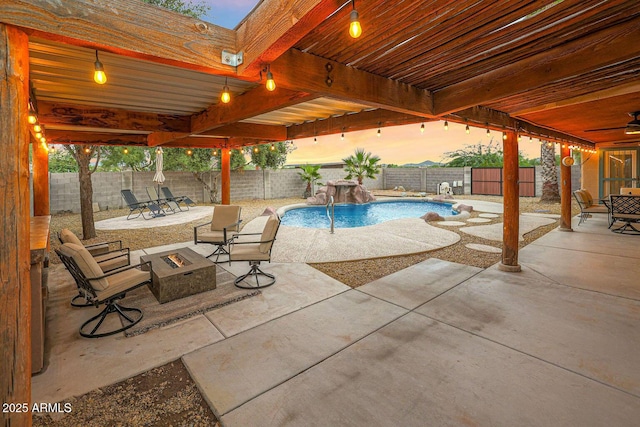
x: 625, y: 208
x: 166, y: 192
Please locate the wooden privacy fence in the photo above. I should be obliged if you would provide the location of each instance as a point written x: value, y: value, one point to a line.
x: 488, y: 181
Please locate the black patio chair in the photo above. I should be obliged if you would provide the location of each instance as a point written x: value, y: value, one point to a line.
x: 135, y: 206
x: 104, y: 289
x: 166, y: 193
x: 167, y: 204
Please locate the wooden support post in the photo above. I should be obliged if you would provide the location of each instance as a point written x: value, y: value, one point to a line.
x: 511, y: 201
x: 565, y: 190
x: 40, y: 179
x: 226, y: 175
x: 15, y: 281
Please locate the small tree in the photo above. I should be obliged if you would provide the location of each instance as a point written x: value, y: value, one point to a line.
x: 271, y: 156
x: 115, y: 159
x: 309, y: 174
x: 550, y: 192
x: 62, y: 161
x: 83, y: 156
x: 362, y: 165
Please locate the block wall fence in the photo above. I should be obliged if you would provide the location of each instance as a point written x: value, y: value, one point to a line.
x: 251, y: 184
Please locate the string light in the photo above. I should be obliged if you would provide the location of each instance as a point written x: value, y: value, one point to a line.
x: 99, y: 75
x: 422, y: 128
x: 504, y: 136
x: 379, y: 132
x: 446, y: 125
x: 355, y: 29
x: 342, y: 136
x: 225, y: 96
x: 315, y: 140
x: 32, y: 118
x: 273, y: 147
x: 467, y: 129
x: 488, y: 133
x: 87, y: 150
x: 38, y: 135
x: 256, y: 149
x: 214, y: 152
x: 189, y: 152
x: 37, y: 128
x: 125, y: 151
x: 270, y: 84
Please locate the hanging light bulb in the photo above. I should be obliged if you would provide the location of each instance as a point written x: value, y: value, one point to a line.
x: 38, y: 135
x: 270, y: 84
x: 379, y: 132
x: 467, y: 130
x: 530, y: 138
x: 504, y: 136
x: 214, y: 152
x: 225, y: 96
x: 32, y: 118
x: 519, y: 137
x: 189, y: 152
x: 315, y: 140
x: 87, y: 150
x: 342, y: 136
x: 422, y: 128
x: 256, y: 149
x: 355, y: 30
x: 125, y: 151
x: 272, y: 148
x: 99, y: 76
x: 37, y: 128
x: 43, y: 140
x: 446, y: 125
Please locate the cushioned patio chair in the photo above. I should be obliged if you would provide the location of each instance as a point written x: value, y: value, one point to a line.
x: 108, y: 259
x: 104, y: 289
x: 166, y: 193
x: 249, y: 247
x: 166, y: 204
x: 587, y: 207
x: 223, y: 227
x: 135, y: 206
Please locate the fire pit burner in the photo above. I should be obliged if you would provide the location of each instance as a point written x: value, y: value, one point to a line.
x: 175, y: 260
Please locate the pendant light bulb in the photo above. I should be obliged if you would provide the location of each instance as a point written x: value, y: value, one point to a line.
x: 355, y: 30
x: 99, y: 76
x: 125, y: 151
x: 488, y: 133
x: 342, y: 136
x: 379, y: 133
x: 422, y: 128
x: 225, y: 96
x: 272, y: 148
x: 32, y: 118
x: 270, y: 84
x: 504, y: 136
x: 467, y: 130
x: 315, y: 140
x: 37, y: 128
x: 446, y: 125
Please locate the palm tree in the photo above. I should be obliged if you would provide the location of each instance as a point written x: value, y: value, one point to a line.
x: 362, y: 165
x: 550, y: 191
x: 309, y: 174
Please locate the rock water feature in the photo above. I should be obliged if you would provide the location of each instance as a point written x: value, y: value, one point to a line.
x: 343, y: 191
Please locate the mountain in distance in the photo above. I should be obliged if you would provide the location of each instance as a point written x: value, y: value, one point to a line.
x: 425, y: 164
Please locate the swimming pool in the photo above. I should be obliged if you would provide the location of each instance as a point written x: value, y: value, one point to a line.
x: 350, y: 215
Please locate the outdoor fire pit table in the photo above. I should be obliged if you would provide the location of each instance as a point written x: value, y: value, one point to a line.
x: 179, y: 273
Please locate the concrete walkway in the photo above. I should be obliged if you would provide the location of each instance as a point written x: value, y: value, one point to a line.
x: 435, y: 344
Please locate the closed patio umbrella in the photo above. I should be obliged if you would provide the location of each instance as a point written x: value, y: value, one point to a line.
x: 159, y: 176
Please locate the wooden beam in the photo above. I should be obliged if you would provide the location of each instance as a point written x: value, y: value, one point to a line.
x: 128, y: 28
x: 252, y: 103
x: 596, y: 50
x: 287, y: 21
x: 92, y: 138
x: 351, y: 122
x: 296, y: 70
x: 197, y: 142
x: 163, y: 138
x: 15, y: 280
x: 58, y: 114
x: 497, y: 120
x: 511, y: 202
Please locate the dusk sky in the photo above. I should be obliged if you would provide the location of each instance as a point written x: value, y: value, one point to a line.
x: 398, y: 144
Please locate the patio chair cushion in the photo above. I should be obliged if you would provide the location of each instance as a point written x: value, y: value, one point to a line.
x: 122, y: 281
x: 86, y: 263
x: 249, y: 252
x: 268, y: 234
x: 214, y: 236
x: 224, y: 216
x: 112, y: 260
x: 68, y: 236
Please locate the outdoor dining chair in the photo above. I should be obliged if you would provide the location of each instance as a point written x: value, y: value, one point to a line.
x: 224, y: 225
x: 104, y: 289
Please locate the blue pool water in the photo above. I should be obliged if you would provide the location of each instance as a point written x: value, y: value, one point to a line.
x: 348, y: 215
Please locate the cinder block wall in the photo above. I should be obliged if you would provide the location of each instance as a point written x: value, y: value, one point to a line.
x: 423, y: 179
x: 245, y: 185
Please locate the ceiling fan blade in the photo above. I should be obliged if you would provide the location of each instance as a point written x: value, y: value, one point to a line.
x: 605, y: 129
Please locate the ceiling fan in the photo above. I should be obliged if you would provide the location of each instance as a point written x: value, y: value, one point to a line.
x: 632, y: 128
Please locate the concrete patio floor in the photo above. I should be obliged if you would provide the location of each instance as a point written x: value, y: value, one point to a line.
x: 438, y: 343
